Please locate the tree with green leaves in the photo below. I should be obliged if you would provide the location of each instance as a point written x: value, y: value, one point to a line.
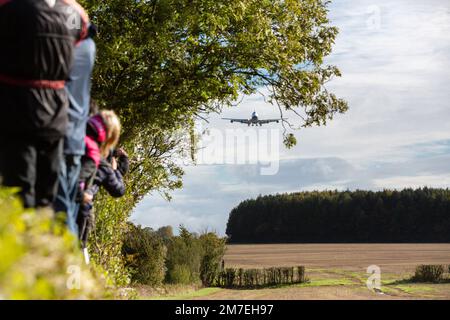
x: 164, y: 64
x: 213, y: 250
x: 145, y: 254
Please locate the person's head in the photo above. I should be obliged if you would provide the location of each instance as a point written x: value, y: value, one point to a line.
x: 113, y: 127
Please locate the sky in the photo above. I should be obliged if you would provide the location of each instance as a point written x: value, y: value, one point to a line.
x: 395, y: 60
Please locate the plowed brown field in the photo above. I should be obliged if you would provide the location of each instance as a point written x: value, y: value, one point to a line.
x: 339, y: 271
x: 335, y: 271
x: 396, y: 258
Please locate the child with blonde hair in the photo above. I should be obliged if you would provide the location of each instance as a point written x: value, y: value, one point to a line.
x: 101, y: 167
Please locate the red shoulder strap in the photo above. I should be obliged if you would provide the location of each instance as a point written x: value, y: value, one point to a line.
x: 30, y: 83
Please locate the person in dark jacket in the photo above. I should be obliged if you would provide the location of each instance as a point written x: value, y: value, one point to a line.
x: 102, y: 136
x: 94, y: 141
x: 109, y: 175
x: 79, y: 92
x: 35, y: 59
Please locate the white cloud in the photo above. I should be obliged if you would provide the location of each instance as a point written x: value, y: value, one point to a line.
x: 441, y: 181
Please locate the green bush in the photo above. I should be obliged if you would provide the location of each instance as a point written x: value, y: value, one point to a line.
x: 106, y: 241
x: 201, y: 255
x: 213, y: 250
x: 155, y: 256
x: 144, y: 253
x: 184, y: 250
x: 226, y: 278
x: 257, y: 278
x: 428, y: 273
x: 180, y: 274
x: 40, y: 259
x: 301, y: 274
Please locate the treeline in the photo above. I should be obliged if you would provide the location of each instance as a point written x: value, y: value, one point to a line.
x: 414, y: 216
x: 156, y: 257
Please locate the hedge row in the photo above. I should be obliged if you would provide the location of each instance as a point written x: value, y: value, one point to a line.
x: 431, y: 273
x: 255, y: 278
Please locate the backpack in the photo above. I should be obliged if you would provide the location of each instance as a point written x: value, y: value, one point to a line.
x: 37, y: 39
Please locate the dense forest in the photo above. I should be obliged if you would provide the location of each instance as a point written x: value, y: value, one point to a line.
x: 417, y: 216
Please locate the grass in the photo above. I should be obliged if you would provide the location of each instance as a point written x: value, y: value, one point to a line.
x: 392, y: 284
x: 392, y: 291
x: 325, y: 282
x: 359, y: 276
x: 393, y: 279
x: 414, y: 288
x: 185, y: 295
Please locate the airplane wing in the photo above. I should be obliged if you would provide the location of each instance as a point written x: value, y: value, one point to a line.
x: 265, y: 121
x: 246, y: 121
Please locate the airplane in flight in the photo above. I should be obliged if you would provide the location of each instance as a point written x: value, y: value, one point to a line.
x: 254, y: 120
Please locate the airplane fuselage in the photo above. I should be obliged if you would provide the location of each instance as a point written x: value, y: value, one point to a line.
x: 254, y: 120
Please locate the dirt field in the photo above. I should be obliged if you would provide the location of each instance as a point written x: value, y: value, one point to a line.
x: 396, y: 258
x: 339, y: 271
x: 335, y: 271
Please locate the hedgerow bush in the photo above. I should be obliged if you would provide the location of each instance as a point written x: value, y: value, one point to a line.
x: 40, y: 259
x: 181, y: 274
x: 301, y: 274
x: 429, y: 273
x: 213, y: 250
x: 257, y: 278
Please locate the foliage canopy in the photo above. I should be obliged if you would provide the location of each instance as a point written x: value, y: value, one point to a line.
x: 162, y: 64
